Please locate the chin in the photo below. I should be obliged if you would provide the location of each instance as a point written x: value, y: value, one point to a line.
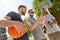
x: 23, y: 14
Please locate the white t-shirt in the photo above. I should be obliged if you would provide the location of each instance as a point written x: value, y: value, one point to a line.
x: 53, y: 29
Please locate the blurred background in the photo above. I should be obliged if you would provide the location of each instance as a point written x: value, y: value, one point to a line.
x: 12, y: 5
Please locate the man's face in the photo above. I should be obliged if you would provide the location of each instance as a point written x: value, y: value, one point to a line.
x: 43, y: 11
x: 31, y: 13
x: 22, y: 10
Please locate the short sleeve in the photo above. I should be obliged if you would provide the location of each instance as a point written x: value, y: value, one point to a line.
x: 11, y: 14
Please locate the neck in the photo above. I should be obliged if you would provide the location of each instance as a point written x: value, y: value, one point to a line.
x: 31, y: 17
x: 20, y: 13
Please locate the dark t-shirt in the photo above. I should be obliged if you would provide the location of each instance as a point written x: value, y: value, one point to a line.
x: 16, y: 17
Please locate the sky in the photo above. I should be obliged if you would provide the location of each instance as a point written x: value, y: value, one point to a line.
x: 12, y: 5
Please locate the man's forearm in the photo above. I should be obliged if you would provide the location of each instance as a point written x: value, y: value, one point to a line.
x: 54, y: 22
x: 33, y: 27
x: 5, y: 23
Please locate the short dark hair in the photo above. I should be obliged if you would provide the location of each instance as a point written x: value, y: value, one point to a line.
x: 30, y: 10
x: 21, y: 6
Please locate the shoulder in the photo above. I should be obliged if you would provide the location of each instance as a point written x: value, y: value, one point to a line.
x: 11, y: 13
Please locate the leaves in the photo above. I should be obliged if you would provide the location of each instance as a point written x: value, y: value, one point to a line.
x: 55, y: 9
x: 36, y: 3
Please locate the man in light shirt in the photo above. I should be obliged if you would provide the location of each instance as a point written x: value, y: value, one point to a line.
x: 52, y: 27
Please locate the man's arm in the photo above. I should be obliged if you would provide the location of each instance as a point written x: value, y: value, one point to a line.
x: 32, y: 27
x: 5, y: 23
x: 53, y: 19
x: 52, y: 23
x: 7, y: 18
x: 16, y: 24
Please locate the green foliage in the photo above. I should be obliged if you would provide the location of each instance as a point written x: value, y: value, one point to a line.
x: 55, y: 9
x: 36, y: 3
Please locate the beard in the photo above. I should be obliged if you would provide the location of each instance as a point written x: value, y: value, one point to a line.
x: 31, y: 16
x: 23, y: 13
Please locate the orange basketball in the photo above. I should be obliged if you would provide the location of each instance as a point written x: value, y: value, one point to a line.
x: 13, y: 32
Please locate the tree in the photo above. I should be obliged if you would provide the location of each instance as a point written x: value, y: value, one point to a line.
x: 36, y: 3
x: 54, y: 10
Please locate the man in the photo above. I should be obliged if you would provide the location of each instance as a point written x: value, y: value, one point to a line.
x: 16, y: 17
x: 37, y: 32
x: 52, y: 28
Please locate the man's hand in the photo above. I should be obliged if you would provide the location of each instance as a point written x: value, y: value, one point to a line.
x: 46, y: 7
x: 19, y: 27
x: 54, y: 21
x: 50, y: 23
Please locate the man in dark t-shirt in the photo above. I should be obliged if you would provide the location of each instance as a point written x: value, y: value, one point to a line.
x: 17, y: 17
